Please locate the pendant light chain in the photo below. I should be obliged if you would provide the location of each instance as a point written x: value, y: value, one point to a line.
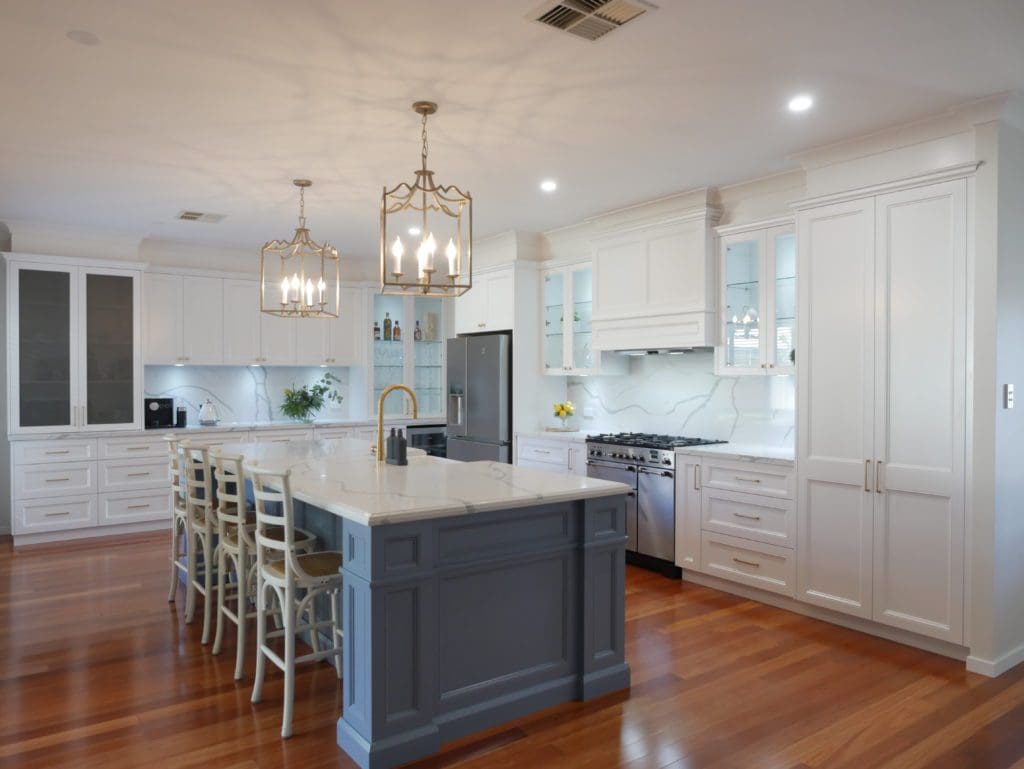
x: 302, y: 207
x: 424, y: 136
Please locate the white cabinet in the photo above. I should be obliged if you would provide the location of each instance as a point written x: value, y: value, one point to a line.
x: 184, y: 319
x: 489, y: 305
x: 757, y: 275
x: 881, y: 413
x: 688, y: 512
x: 655, y: 286
x: 74, y: 352
x: 554, y: 454
x: 252, y: 337
x: 566, y: 328
x: 337, y: 341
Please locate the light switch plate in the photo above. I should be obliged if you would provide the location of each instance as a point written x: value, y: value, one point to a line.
x: 1007, y: 396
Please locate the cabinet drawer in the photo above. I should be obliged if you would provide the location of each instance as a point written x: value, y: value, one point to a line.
x: 45, y: 452
x: 281, y: 436
x: 127, y: 474
x: 541, y: 466
x: 538, y: 451
x: 152, y: 445
x: 750, y: 563
x: 215, y: 440
x: 132, y: 507
x: 331, y: 433
x: 56, y: 480
x: 753, y: 478
x: 32, y: 516
x: 747, y: 515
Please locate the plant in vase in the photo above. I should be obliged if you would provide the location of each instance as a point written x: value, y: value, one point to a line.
x: 563, y: 411
x: 303, y: 403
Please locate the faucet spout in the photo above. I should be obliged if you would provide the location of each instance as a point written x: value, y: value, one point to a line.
x: 380, y: 414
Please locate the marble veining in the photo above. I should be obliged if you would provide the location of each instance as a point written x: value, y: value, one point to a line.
x: 344, y: 478
x: 681, y: 395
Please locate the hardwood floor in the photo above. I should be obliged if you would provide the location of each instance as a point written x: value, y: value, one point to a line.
x: 98, y: 670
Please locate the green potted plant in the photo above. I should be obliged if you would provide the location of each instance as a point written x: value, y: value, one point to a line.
x: 303, y: 403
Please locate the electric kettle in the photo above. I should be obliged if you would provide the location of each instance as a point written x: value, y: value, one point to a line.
x: 208, y: 413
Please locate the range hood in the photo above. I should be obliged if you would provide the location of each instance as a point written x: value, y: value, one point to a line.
x: 661, y: 351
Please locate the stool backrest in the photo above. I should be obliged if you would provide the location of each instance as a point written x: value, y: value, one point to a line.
x: 272, y: 492
x: 174, y: 466
x: 230, y: 491
x: 195, y: 467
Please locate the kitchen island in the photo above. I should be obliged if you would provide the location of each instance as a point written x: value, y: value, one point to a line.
x: 475, y: 592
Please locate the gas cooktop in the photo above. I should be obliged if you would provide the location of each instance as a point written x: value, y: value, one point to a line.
x: 649, y: 440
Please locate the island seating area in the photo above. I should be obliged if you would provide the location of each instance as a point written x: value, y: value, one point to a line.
x: 469, y: 594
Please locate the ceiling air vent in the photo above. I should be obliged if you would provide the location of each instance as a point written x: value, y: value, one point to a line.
x: 590, y: 19
x: 199, y: 216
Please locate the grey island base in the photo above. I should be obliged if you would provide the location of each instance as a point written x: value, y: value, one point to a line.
x: 475, y: 593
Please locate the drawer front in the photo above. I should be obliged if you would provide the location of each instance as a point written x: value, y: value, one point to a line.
x: 331, y: 433
x: 749, y: 563
x: 124, y: 475
x: 281, y: 436
x: 749, y: 516
x: 216, y: 440
x: 750, y: 477
x: 34, y: 516
x: 45, y: 452
x: 538, y: 451
x: 56, y: 480
x: 541, y: 466
x: 133, y: 507
x: 134, y: 448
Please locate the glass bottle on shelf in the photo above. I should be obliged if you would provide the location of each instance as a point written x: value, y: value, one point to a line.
x: 396, y: 332
x: 387, y: 327
x: 417, y: 334
x: 376, y: 331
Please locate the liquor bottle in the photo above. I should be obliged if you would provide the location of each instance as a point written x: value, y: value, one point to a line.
x: 396, y: 332
x: 376, y: 331
x: 417, y: 334
x: 387, y: 327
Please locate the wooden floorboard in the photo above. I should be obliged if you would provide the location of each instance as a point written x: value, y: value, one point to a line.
x: 98, y: 671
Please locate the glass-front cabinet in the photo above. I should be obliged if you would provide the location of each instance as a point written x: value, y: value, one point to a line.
x: 75, y: 348
x: 408, y: 348
x: 757, y: 300
x: 566, y: 336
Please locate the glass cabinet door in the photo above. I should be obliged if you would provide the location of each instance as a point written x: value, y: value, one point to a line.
x: 428, y: 354
x: 784, y: 251
x: 109, y: 306
x: 45, y: 363
x: 582, y: 309
x: 389, y: 352
x: 554, y: 322
x: 742, y: 304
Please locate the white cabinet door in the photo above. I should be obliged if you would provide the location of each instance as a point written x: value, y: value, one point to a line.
x: 471, y: 307
x: 578, y: 458
x: 836, y: 385
x: 500, y: 301
x: 241, y: 322
x: 277, y: 339
x: 162, y: 319
x: 920, y: 404
x: 312, y: 341
x: 349, y: 333
x: 203, y: 321
x: 688, y: 512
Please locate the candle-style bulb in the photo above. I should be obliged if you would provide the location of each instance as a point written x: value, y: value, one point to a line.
x: 309, y: 293
x: 397, y: 252
x: 321, y: 288
x: 451, y: 252
x: 284, y: 291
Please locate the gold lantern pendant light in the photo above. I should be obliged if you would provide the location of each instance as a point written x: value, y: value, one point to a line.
x: 300, y: 278
x: 433, y: 214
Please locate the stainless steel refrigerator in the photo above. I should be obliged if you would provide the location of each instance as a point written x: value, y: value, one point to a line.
x: 480, y: 397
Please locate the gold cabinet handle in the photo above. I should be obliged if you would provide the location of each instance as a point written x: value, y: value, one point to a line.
x: 696, y: 477
x: 867, y: 471
x: 878, y: 472
x: 137, y: 507
x: 62, y: 512
x: 62, y: 451
x: 748, y: 516
x: 57, y: 480
x: 747, y: 480
x: 139, y: 475
x: 755, y: 564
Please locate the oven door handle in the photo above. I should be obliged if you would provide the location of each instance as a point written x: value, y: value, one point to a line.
x: 662, y: 473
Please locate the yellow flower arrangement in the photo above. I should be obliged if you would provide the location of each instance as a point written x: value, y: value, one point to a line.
x: 564, y: 410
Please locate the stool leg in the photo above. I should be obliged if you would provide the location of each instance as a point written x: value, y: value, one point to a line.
x: 314, y: 634
x: 191, y: 548
x: 243, y: 609
x: 218, y: 636
x: 261, y: 639
x: 173, y: 589
x: 208, y: 559
x: 289, y: 659
x: 336, y: 636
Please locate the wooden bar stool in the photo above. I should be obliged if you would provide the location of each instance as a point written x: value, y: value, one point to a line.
x: 194, y: 469
x: 315, y: 573
x: 236, y: 550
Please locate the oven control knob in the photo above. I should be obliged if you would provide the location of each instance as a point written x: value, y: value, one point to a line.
x: 666, y: 461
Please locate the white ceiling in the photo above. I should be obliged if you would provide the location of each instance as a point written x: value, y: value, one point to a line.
x: 215, y: 106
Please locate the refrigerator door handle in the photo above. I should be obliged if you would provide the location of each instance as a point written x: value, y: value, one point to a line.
x: 456, y: 412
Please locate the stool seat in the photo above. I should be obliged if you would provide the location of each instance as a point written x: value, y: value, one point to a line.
x: 325, y: 563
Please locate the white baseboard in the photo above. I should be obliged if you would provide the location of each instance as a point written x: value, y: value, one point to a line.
x: 21, y: 540
x: 905, y: 637
x: 998, y: 666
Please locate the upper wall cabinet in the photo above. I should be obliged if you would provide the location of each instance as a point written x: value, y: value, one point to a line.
x: 567, y: 329
x: 488, y: 305
x: 184, y: 319
x: 252, y: 337
x: 654, y: 284
x: 337, y: 341
x: 757, y: 272
x: 74, y: 352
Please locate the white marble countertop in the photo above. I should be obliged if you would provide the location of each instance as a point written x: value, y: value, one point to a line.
x: 225, y: 427
x: 344, y: 478
x: 782, y: 455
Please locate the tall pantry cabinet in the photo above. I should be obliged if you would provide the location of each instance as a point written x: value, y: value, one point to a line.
x: 882, y: 404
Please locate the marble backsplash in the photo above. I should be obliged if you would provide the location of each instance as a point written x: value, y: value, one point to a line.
x: 242, y: 393
x: 681, y: 395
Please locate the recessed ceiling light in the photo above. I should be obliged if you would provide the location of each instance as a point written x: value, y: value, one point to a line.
x: 83, y: 37
x: 801, y: 103
x: 549, y: 185
x: 414, y: 230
